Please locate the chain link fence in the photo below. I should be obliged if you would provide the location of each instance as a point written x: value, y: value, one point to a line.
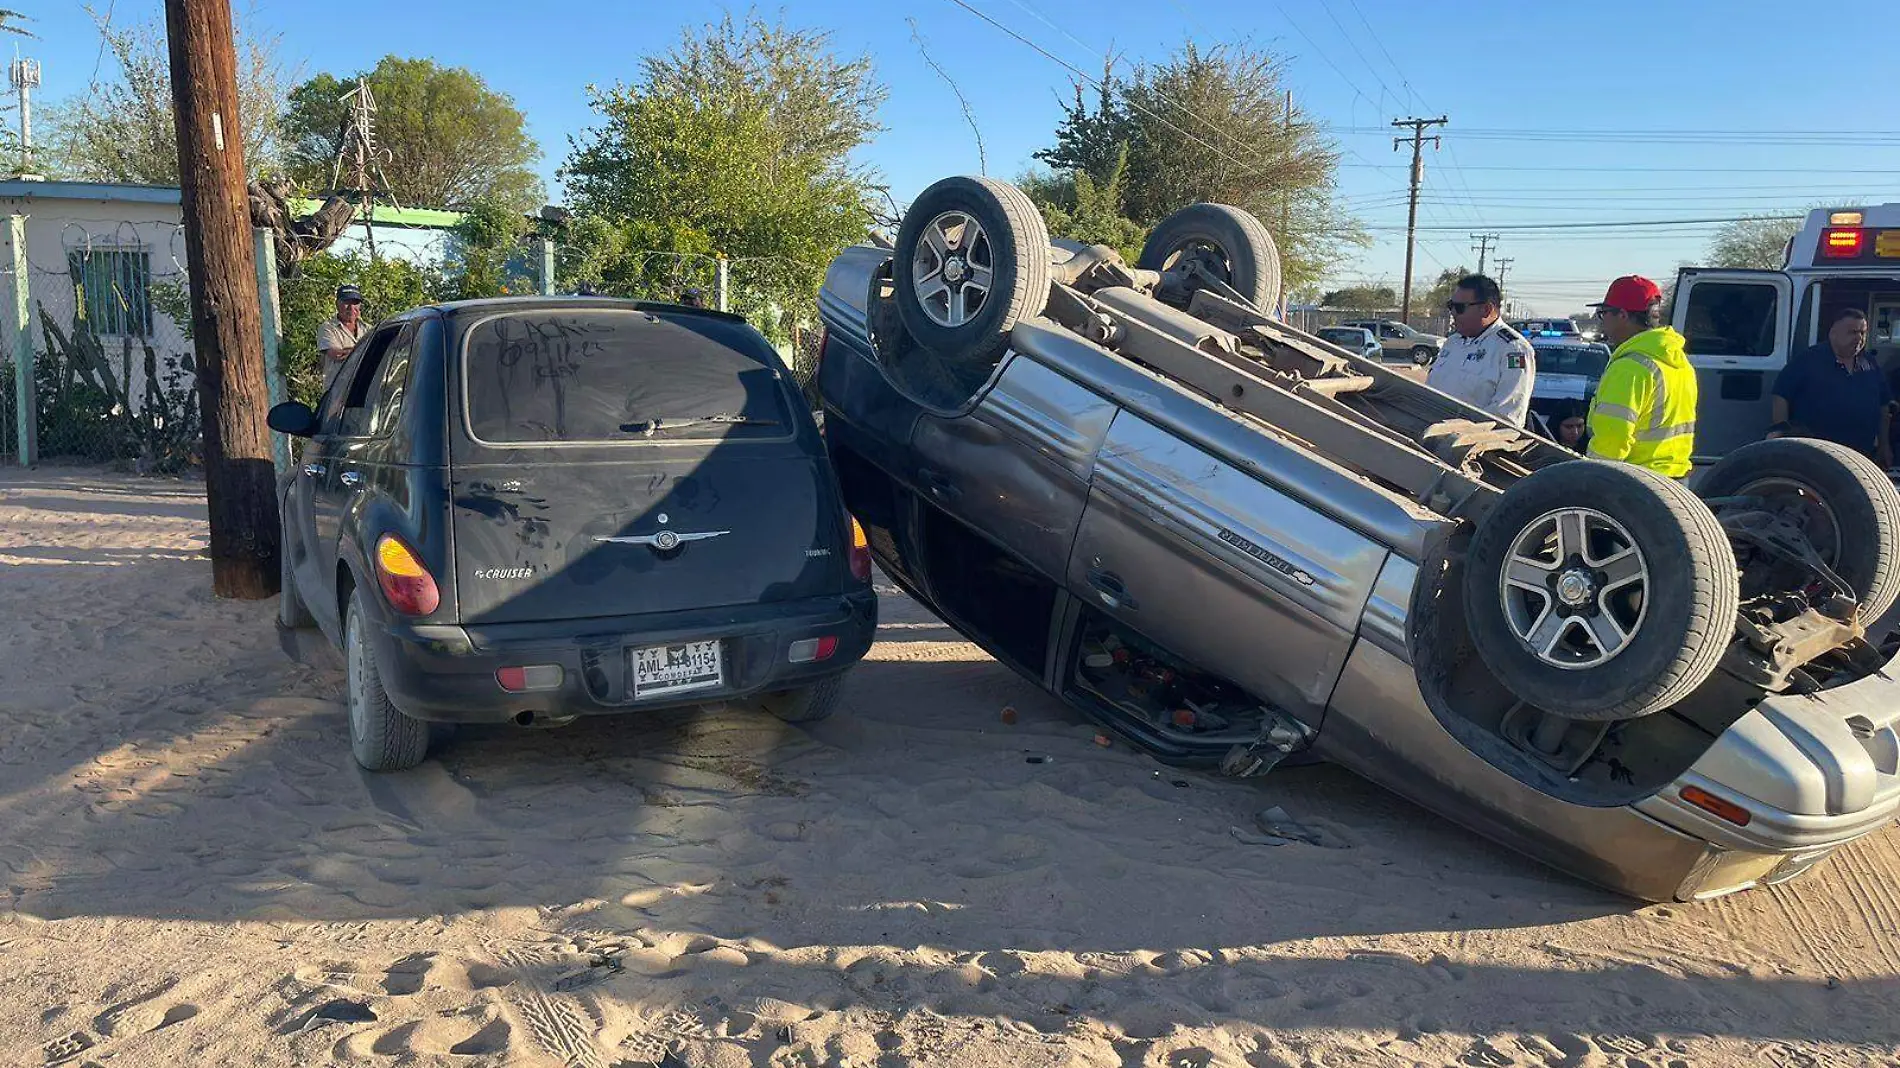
x: 111, y: 369
x: 111, y: 366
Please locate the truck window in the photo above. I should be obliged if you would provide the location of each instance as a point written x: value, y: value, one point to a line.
x: 1732, y: 319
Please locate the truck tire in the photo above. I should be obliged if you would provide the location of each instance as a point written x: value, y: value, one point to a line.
x: 1230, y: 242
x: 1423, y: 355
x: 806, y: 704
x: 381, y: 737
x: 1847, y: 504
x: 1600, y: 591
x: 972, y: 260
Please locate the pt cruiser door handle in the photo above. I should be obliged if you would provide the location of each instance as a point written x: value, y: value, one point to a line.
x: 1108, y: 586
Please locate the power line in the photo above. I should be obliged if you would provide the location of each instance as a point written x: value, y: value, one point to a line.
x: 1053, y: 58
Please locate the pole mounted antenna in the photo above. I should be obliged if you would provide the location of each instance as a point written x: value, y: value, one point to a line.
x: 25, y: 76
x: 357, y: 149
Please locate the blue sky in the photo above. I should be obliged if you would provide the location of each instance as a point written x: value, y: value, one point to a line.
x: 1552, y: 119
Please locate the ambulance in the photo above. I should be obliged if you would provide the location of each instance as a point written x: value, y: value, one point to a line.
x: 1743, y: 326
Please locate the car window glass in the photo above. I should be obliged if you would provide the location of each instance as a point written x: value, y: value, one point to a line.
x: 572, y: 375
x: 1390, y: 331
x: 386, y: 398
x: 1731, y: 319
x: 346, y: 411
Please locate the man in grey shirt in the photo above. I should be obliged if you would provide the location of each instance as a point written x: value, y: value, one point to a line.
x: 338, y: 336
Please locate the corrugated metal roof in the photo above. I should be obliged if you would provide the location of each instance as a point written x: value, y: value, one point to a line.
x: 105, y: 191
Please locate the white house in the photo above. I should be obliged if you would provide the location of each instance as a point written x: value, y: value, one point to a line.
x: 95, y: 250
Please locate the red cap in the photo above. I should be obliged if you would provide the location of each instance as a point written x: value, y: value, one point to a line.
x: 1631, y: 293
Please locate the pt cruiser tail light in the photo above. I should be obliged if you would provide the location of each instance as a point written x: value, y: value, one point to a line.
x: 407, y: 585
x: 860, y: 553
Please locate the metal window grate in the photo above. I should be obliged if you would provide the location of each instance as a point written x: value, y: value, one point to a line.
x: 113, y: 289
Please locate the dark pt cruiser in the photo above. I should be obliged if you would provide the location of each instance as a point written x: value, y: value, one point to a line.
x: 535, y: 509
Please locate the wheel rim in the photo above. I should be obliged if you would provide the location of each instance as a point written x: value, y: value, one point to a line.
x: 1575, y: 588
x: 953, y: 268
x: 356, y: 660
x: 1798, y: 501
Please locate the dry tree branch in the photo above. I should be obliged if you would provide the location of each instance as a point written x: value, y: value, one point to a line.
x: 982, y: 161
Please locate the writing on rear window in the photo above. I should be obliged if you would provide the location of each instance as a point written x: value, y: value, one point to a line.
x: 595, y: 376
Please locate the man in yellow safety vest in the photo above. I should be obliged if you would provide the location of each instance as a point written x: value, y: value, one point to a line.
x: 1644, y: 410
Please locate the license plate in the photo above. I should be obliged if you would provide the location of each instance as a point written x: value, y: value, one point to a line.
x: 1887, y: 244
x: 659, y: 670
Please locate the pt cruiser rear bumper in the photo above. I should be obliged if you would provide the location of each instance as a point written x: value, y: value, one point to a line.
x: 448, y: 673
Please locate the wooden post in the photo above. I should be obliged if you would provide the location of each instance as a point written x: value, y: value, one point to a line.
x: 272, y: 330
x: 240, y: 483
x: 25, y: 385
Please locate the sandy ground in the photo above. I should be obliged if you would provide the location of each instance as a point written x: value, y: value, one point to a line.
x: 193, y: 872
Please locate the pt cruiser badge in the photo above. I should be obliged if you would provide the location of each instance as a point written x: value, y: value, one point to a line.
x: 664, y: 541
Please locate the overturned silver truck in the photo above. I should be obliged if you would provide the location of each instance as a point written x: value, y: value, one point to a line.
x: 1231, y: 542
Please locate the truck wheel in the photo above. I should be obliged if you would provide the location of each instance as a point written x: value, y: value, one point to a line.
x: 806, y: 704
x: 1600, y: 591
x: 381, y: 737
x: 972, y: 260
x: 292, y: 613
x: 1230, y: 243
x: 1843, y: 501
x: 1423, y: 355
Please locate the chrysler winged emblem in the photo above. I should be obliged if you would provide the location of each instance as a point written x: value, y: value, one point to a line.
x: 665, y: 540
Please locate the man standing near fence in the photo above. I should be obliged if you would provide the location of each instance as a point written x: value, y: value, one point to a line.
x: 338, y: 336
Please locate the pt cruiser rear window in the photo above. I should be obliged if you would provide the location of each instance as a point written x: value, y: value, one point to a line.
x: 619, y: 376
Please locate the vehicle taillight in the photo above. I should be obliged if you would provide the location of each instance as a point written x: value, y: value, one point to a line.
x: 407, y: 585
x: 1842, y: 242
x: 860, y: 553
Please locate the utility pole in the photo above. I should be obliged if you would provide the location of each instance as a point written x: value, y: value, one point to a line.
x: 1504, y: 266
x: 1483, y: 247
x: 1418, y: 139
x: 240, y: 480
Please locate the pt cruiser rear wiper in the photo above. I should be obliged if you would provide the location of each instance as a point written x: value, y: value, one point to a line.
x: 651, y: 426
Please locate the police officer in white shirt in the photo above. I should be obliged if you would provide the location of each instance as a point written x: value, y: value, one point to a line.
x: 1484, y: 362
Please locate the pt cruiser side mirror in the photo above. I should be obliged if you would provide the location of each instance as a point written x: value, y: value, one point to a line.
x: 292, y: 417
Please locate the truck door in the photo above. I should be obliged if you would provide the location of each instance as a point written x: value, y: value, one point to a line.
x: 1737, y: 324
x: 1195, y: 554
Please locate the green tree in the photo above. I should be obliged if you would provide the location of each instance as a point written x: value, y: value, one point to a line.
x: 1755, y: 241
x: 452, y: 142
x: 1433, y: 300
x: 1079, y: 208
x: 120, y: 128
x: 389, y: 286
x: 1361, y: 298
x: 1212, y: 124
x: 489, y: 236
x: 736, y: 142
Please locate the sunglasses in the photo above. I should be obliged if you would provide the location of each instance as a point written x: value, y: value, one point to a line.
x: 1458, y: 306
